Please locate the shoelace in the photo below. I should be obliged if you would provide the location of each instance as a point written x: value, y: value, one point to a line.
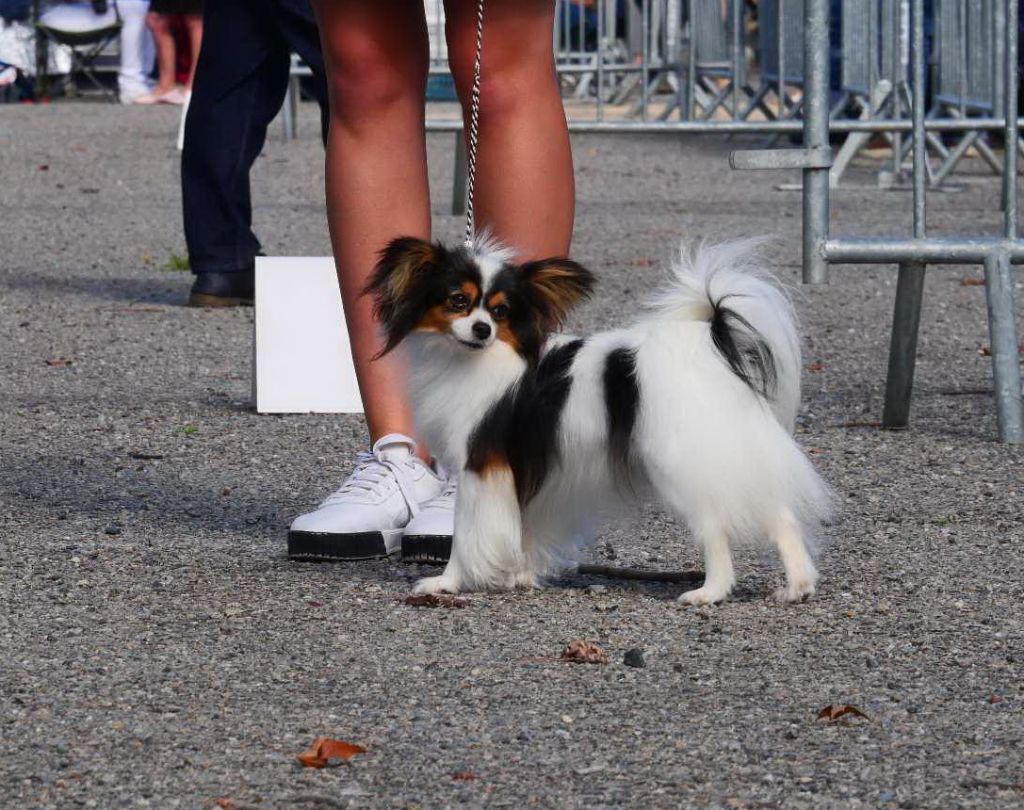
x: 446, y: 499
x: 369, y: 476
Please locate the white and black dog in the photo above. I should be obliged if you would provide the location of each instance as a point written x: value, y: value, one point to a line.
x: 694, y: 402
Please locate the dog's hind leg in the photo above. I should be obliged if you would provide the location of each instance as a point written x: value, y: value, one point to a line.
x: 718, y: 573
x: 713, y: 536
x: 801, y: 575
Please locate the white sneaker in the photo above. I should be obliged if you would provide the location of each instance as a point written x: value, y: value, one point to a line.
x: 365, y: 517
x: 428, y: 536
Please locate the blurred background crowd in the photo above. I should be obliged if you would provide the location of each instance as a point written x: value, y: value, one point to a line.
x: 150, y: 45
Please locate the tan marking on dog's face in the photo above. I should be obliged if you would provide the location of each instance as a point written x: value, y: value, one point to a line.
x: 504, y: 330
x: 436, y: 319
x: 498, y: 298
x: 440, y: 317
x: 472, y: 291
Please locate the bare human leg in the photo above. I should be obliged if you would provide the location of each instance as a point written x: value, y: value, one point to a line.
x: 194, y: 23
x: 525, y: 191
x: 160, y: 25
x: 376, y: 54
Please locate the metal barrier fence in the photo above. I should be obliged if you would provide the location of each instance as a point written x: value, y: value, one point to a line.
x: 915, y: 253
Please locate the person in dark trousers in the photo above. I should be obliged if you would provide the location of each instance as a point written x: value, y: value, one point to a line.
x: 239, y: 86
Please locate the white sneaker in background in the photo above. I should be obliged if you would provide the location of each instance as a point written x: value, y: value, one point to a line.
x: 428, y: 536
x: 365, y: 517
x: 128, y: 93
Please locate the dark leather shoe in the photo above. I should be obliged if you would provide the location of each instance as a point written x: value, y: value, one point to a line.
x: 223, y: 289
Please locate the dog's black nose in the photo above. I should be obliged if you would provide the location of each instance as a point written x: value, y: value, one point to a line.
x: 481, y: 330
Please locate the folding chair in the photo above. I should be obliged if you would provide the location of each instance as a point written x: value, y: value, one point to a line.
x: 87, y: 29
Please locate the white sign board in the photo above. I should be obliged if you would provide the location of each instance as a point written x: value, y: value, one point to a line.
x: 301, y: 356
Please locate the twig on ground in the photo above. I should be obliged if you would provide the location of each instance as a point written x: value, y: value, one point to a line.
x: 314, y: 798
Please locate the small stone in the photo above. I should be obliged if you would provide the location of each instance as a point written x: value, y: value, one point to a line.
x: 112, y: 529
x: 596, y: 589
x: 634, y: 658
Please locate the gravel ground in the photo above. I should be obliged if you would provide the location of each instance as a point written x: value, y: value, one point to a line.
x: 157, y: 649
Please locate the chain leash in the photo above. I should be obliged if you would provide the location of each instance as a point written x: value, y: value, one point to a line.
x: 474, y: 120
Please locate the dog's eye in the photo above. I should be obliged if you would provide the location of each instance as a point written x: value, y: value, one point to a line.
x: 458, y: 301
x: 499, y: 312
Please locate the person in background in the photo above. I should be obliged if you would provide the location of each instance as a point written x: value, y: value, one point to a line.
x: 160, y: 21
x: 136, y: 51
x: 240, y: 84
x: 135, y: 43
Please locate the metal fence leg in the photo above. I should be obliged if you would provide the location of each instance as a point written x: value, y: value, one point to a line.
x: 295, y: 93
x: 815, y: 180
x: 903, y: 346
x: 288, y: 110
x: 459, y: 183
x: 1005, y: 353
x: 856, y: 141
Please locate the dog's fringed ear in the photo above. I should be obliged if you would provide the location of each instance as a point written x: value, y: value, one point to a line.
x: 555, y: 286
x: 393, y: 283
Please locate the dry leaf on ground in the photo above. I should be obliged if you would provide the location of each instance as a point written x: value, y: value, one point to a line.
x: 815, y: 366
x: 325, y: 752
x: 583, y: 652
x: 464, y: 776
x: 972, y: 282
x: 435, y: 600
x: 58, y: 362
x: 831, y: 713
x: 986, y: 351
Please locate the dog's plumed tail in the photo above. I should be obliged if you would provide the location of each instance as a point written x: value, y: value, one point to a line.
x: 752, y: 323
x: 752, y: 339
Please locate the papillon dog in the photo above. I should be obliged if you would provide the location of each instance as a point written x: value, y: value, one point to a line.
x: 694, y: 403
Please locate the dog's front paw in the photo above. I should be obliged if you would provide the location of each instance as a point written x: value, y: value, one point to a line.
x: 704, y: 596
x: 796, y: 591
x: 441, y: 584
